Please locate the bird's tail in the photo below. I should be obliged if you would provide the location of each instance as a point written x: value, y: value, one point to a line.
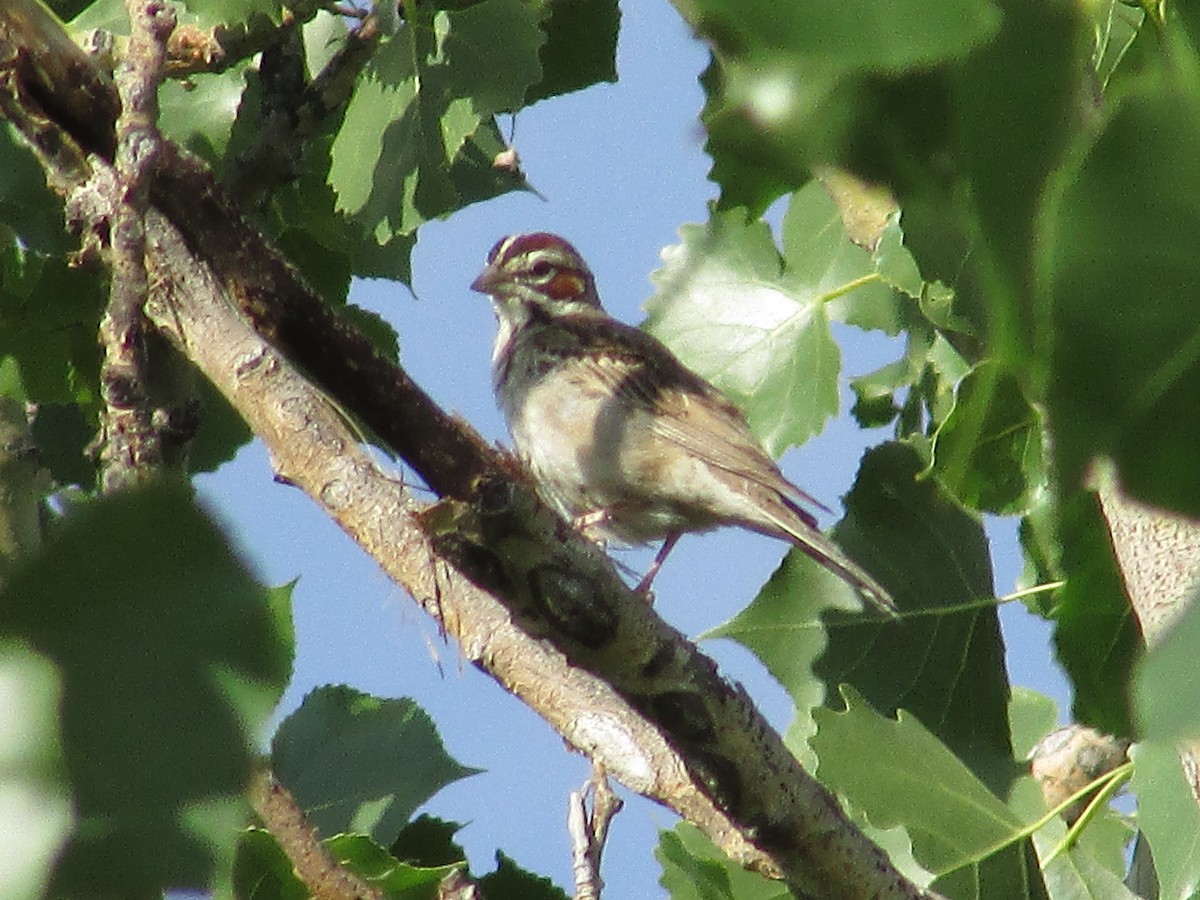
x: 823, y: 550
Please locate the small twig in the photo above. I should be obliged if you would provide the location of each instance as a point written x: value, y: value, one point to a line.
x: 131, y: 448
x: 589, y: 831
x: 315, y: 865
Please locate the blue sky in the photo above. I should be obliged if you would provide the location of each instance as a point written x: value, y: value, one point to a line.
x: 621, y: 168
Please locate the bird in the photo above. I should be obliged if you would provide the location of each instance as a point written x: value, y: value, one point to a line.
x: 619, y: 435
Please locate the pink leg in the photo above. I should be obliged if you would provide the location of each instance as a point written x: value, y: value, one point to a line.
x: 659, y: 558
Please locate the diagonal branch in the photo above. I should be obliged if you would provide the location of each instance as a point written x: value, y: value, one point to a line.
x: 530, y: 601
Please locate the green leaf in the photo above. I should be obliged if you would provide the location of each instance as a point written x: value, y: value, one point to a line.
x: 988, y: 451
x: 580, y: 48
x: 62, y: 434
x: 262, y: 870
x: 1008, y: 168
x: 199, y: 112
x: 417, y: 141
x: 511, y: 882
x: 1096, y: 637
x: 376, y: 866
x: 694, y: 869
x: 232, y: 11
x: 1125, y: 366
x: 1164, y: 686
x: 897, y: 773
x: 222, y: 430
x: 821, y: 259
x: 798, y: 81
x: 943, y: 661
x: 49, y: 314
x: 356, y: 763
x: 1168, y: 816
x: 730, y: 309
x: 170, y: 663
x: 1033, y: 716
x: 35, y: 802
x: 428, y: 841
x: 27, y: 205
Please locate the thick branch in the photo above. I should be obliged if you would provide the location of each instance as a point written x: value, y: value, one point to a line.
x: 529, y: 600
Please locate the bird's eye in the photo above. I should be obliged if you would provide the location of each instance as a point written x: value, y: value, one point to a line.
x: 541, y: 268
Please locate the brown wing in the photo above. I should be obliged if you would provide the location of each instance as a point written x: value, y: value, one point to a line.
x: 692, y: 414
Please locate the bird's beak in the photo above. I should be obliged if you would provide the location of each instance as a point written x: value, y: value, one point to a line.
x: 487, y: 282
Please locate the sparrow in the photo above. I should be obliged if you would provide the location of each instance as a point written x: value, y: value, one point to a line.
x: 619, y: 435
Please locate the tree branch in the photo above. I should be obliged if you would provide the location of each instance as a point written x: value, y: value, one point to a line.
x: 315, y: 865
x: 530, y: 601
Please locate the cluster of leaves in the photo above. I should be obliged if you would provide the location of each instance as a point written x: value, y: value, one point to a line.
x: 1037, y: 153
x: 1043, y: 156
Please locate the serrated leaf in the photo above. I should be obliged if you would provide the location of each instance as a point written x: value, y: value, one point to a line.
x: 158, y: 737
x: 897, y: 773
x: 357, y: 763
x: 694, y: 869
x: 198, y: 113
x: 510, y: 882
x: 377, y: 867
x: 789, y: 79
x: 728, y: 308
x: 943, y: 661
x: 988, y: 450
x: 821, y: 259
x: 428, y: 841
x: 417, y: 140
x: 1168, y: 816
x: 580, y: 48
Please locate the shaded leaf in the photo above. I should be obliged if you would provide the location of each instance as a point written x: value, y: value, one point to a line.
x: 1168, y: 816
x: 35, y: 803
x: 793, y: 83
x: 262, y: 870
x: 428, y: 841
x: 357, y: 763
x: 988, y: 451
x: 1124, y: 289
x: 198, y: 113
x: 510, y: 882
x: 1165, y: 683
x: 1096, y: 636
x: 897, y: 773
x: 49, y: 314
x: 580, y: 48
x: 694, y: 869
x: 417, y: 140
x: 158, y: 738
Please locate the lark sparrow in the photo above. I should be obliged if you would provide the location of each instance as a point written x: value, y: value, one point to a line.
x: 620, y: 436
